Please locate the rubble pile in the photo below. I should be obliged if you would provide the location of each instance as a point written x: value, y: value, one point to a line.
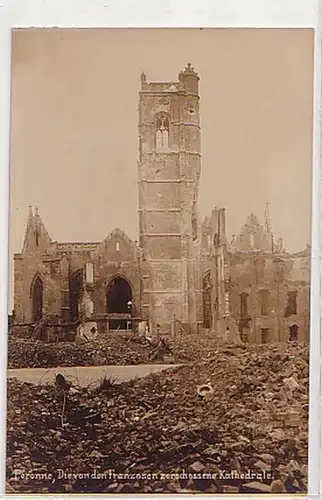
x: 195, y: 347
x: 237, y: 422
x: 21, y: 332
x: 113, y: 350
x: 109, y: 350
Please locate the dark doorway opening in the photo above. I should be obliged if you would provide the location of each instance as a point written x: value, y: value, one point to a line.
x: 207, y: 301
x: 264, y: 335
x: 293, y: 332
x: 37, y: 300
x: 75, y: 294
x: 119, y: 294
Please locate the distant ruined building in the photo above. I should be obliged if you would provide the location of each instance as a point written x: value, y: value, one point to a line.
x: 254, y: 288
x: 249, y: 288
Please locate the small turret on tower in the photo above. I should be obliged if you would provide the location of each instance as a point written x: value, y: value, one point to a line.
x: 143, y: 78
x: 189, y: 80
x: 268, y: 227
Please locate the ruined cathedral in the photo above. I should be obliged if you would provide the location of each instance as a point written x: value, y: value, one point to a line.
x: 179, y: 270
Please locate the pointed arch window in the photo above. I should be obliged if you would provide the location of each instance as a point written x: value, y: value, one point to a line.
x: 162, y: 127
x: 37, y: 291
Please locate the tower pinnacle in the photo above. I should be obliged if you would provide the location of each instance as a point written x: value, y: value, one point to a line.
x: 267, y: 219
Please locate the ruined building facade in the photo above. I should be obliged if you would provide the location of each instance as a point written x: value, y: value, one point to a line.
x: 253, y: 288
x: 248, y: 288
x: 160, y: 274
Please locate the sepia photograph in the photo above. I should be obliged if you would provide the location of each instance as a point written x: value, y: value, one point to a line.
x: 159, y: 260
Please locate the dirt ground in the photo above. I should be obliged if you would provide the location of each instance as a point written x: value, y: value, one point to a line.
x: 247, y: 433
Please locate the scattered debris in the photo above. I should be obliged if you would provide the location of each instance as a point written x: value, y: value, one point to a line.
x: 158, y: 425
x: 205, y: 391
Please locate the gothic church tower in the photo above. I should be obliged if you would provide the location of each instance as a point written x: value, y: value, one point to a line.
x: 168, y: 182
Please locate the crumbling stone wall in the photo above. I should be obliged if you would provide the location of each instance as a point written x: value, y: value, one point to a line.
x: 244, y: 280
x: 27, y: 268
x: 56, y: 263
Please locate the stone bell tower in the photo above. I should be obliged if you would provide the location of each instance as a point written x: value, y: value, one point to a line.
x: 168, y: 182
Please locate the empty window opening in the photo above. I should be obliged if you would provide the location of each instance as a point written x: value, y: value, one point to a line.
x: 37, y: 300
x: 291, y: 307
x: 244, y: 304
x: 263, y: 298
x: 162, y: 131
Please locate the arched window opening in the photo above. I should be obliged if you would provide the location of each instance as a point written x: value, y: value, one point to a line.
x: 37, y: 300
x: 263, y: 300
x: 118, y: 301
x: 162, y: 131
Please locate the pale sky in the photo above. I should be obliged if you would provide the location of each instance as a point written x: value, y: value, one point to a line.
x: 74, y: 145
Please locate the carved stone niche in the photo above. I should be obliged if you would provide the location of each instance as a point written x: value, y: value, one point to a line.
x: 162, y: 104
x: 163, y: 101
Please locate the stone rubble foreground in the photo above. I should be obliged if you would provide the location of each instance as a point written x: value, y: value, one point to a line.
x: 157, y: 435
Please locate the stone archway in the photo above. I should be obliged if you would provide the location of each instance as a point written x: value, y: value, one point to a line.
x: 118, y: 295
x: 37, y: 298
